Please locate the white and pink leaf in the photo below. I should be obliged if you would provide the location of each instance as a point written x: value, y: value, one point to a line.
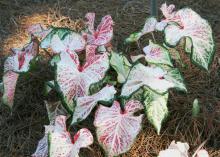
x: 21, y: 58
x: 117, y: 129
x: 61, y: 144
x: 9, y: 86
x: 199, y: 33
x: 157, y: 54
x: 156, y: 78
x: 74, y: 81
x: 104, y: 32
x: 85, y: 104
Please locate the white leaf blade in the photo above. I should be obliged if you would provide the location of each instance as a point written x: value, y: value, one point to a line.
x: 156, y: 78
x: 63, y: 40
x: 192, y: 26
x: 61, y: 144
x: 116, y: 131
x: 20, y: 60
x: 177, y: 149
x: 9, y: 86
x: 156, y: 108
x: 157, y: 54
x: 73, y: 81
x: 149, y: 26
x: 84, y: 105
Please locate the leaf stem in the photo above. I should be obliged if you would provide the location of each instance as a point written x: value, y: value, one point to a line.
x: 154, y: 8
x: 122, y: 105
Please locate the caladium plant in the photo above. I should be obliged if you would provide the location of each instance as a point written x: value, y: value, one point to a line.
x: 117, y: 124
x: 19, y: 62
x: 74, y: 81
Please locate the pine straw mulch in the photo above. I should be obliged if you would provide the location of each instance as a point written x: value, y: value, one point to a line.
x: 21, y: 129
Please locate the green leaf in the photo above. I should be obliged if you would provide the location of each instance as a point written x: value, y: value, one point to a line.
x: 156, y: 108
x: 196, y: 108
x: 121, y: 65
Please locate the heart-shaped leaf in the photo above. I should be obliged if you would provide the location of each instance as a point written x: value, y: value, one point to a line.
x: 121, y: 65
x: 9, y: 85
x: 21, y: 58
x: 74, y: 81
x: 63, y: 40
x: 198, y: 32
x: 42, y: 148
x: 156, y: 78
x: 85, y: 104
x: 61, y: 144
x: 149, y: 26
x: 155, y: 108
x: 157, y: 54
x: 117, y: 129
x: 104, y: 32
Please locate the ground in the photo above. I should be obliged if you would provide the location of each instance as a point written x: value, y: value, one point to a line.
x: 21, y: 128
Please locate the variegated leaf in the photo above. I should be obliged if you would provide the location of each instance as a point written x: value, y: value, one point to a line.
x: 90, y: 21
x: 63, y: 40
x: 85, y: 104
x: 9, y: 85
x: 38, y: 31
x: 74, y: 81
x: 104, y: 32
x: 121, y: 65
x: 156, y: 108
x: 157, y: 54
x: 169, y: 15
x: 178, y: 149
x: 156, y: 78
x: 61, y: 144
x: 117, y: 129
x: 42, y: 147
x: 199, y: 32
x: 149, y: 26
x: 20, y: 60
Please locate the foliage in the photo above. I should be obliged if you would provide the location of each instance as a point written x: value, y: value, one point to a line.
x: 118, y: 123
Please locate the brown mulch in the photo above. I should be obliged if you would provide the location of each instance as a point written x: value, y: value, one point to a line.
x: 21, y: 129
